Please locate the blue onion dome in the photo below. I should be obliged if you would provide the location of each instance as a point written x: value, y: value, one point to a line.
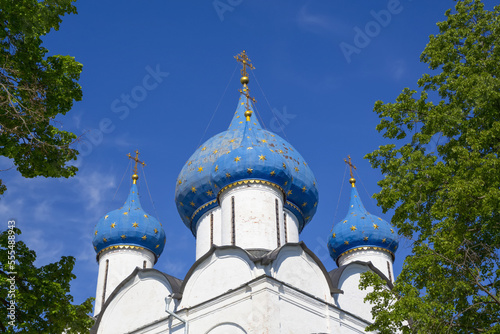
x: 361, y: 230
x: 226, y: 158
x: 129, y: 227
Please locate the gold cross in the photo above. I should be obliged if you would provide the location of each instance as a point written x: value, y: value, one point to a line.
x: 136, y: 159
x: 245, y: 61
x: 351, y: 166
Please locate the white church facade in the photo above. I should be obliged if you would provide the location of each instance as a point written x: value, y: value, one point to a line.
x: 246, y: 194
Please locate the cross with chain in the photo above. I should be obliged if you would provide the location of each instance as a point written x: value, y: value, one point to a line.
x: 136, y: 159
x: 351, y: 166
x: 245, y: 61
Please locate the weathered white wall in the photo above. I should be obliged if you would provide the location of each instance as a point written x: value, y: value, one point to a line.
x: 380, y: 259
x: 203, y: 232
x: 292, y: 227
x: 255, y: 216
x: 295, y: 267
x: 122, y: 262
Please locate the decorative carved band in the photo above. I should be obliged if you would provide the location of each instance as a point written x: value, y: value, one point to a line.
x: 368, y: 248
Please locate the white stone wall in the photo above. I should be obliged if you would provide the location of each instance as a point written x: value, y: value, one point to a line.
x: 141, y: 302
x: 263, y: 306
x: 292, y: 227
x: 205, y: 232
x: 254, y: 214
x: 120, y: 263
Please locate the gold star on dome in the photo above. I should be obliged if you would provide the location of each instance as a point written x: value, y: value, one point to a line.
x: 289, y: 193
x: 193, y: 189
x: 125, y: 213
x: 379, y: 218
x: 200, y: 169
x: 210, y: 193
x: 304, y: 189
x: 281, y: 151
x: 241, y: 122
x: 215, y: 151
x: 296, y: 169
x: 182, y: 204
x: 228, y: 175
x: 316, y: 204
x: 334, y: 235
x: 304, y: 204
x: 237, y: 159
x: 123, y: 236
x: 273, y: 173
x: 249, y: 170
x: 203, y: 149
x: 353, y: 228
x: 262, y: 157
x: 365, y: 238
x: 156, y: 231
x: 231, y: 141
x: 346, y: 242
x: 249, y: 148
x: 192, y: 204
x: 106, y: 216
x: 113, y: 225
x: 95, y: 233
x: 305, y: 163
x: 180, y: 182
x: 375, y: 226
x: 286, y: 182
x: 216, y: 167
x: 144, y: 237
x: 284, y: 165
x: 135, y: 225
x: 264, y: 141
x: 189, y: 163
x: 238, y: 115
x: 383, y: 240
x: 392, y: 231
x: 104, y: 239
x: 157, y: 246
x: 145, y: 216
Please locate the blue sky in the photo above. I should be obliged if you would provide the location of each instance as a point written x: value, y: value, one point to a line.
x: 321, y: 96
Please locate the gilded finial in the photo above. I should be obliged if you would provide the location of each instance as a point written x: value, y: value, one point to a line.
x: 135, y: 176
x: 352, y: 180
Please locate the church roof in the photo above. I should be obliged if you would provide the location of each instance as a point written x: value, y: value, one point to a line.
x: 129, y: 227
x: 360, y: 229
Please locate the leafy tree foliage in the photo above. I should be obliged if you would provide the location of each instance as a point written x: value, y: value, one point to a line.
x: 34, y: 89
x: 41, y: 295
x: 442, y: 178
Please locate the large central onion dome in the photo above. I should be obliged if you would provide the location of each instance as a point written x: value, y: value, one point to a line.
x: 244, y: 153
x: 360, y: 230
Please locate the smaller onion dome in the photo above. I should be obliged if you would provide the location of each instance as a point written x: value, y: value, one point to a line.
x: 129, y: 227
x: 361, y: 230
x: 254, y: 160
